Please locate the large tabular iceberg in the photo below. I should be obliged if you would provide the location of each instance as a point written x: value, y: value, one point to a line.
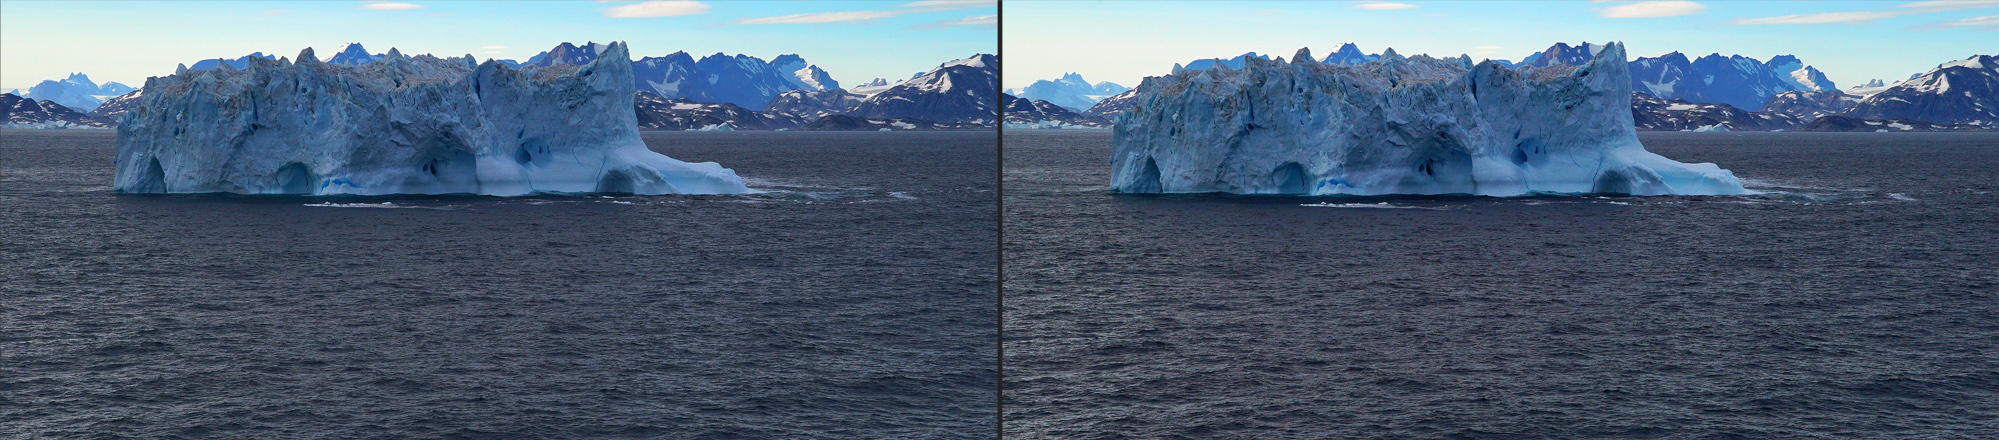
x: 1415, y: 125
x: 404, y: 125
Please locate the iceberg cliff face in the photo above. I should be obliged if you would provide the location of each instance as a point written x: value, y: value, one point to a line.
x: 1398, y: 125
x: 405, y: 125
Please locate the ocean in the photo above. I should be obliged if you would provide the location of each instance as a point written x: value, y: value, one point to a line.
x: 1856, y: 297
x: 855, y: 299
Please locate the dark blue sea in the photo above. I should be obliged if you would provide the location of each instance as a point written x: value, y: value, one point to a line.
x: 1856, y: 297
x: 855, y: 299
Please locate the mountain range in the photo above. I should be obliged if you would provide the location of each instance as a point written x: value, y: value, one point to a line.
x: 1071, y: 91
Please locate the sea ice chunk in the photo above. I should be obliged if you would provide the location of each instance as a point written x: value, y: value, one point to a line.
x: 1398, y: 125
x: 404, y: 125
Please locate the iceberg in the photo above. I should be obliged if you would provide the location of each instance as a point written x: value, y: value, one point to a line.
x: 1397, y: 125
x: 402, y: 125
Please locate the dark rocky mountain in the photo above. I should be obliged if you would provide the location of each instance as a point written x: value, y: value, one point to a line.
x: 1347, y: 54
x: 1844, y: 123
x: 1735, y: 80
x: 810, y: 105
x: 1072, y: 92
x: 352, y: 55
x: 743, y: 80
x: 851, y: 123
x: 238, y: 63
x: 1026, y: 113
x: 76, y: 92
x: 1958, y: 92
x: 961, y: 91
x: 114, y: 107
x: 660, y: 113
x: 566, y: 53
x: 1233, y: 63
x: 1562, y: 53
x: 1807, y: 106
x: 19, y: 112
x: 1109, y: 108
x: 1650, y: 113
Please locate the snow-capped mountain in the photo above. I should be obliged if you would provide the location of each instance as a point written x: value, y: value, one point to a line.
x: 1800, y: 76
x: 810, y: 105
x: 1110, y: 107
x: 118, y: 105
x: 76, y: 92
x: 19, y: 112
x: 804, y: 76
x: 1958, y: 92
x: 1072, y: 92
x: 1650, y: 113
x: 352, y: 55
x: 873, y: 87
x: 1807, y: 106
x: 1026, y: 113
x: 659, y: 113
x: 960, y: 91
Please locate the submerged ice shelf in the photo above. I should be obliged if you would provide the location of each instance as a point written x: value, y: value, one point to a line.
x: 1399, y: 125
x: 405, y: 125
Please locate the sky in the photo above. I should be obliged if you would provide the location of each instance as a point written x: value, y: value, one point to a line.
x: 126, y: 41
x: 1850, y: 41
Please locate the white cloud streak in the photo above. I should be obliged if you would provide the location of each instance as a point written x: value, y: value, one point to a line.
x: 657, y: 8
x: 1856, y: 17
x: 389, y: 6
x: 1384, y: 6
x: 1985, y: 22
x: 822, y: 17
x: 987, y: 21
x: 1652, y: 9
x: 1819, y: 18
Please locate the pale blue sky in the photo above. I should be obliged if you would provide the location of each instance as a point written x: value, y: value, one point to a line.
x: 1123, y: 41
x: 127, y: 41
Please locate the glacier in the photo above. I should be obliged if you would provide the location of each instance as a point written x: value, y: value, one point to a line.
x: 403, y: 125
x: 1397, y: 125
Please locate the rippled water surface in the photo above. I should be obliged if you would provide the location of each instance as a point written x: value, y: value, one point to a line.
x: 1857, y: 297
x: 854, y: 300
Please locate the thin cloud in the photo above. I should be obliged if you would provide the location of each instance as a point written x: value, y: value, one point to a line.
x: 1819, y: 18
x: 987, y: 21
x: 1490, y: 48
x: 946, y: 5
x: 1948, y: 5
x: 907, y: 8
x: 1857, y: 17
x: 440, y: 14
x: 1652, y: 9
x: 389, y: 6
x: 1384, y: 6
x: 822, y: 17
x: 657, y: 8
x: 1984, y: 23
